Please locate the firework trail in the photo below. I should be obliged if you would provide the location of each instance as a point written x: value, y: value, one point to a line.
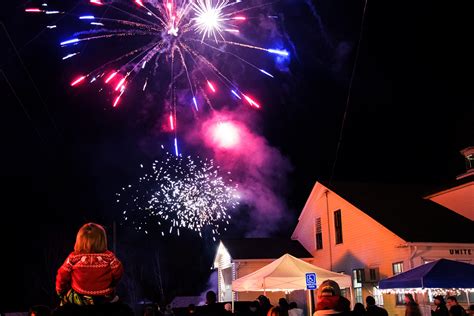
x: 179, y: 38
x: 179, y: 193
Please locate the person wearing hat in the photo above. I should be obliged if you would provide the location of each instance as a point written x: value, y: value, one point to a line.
x: 441, y: 309
x: 330, y: 301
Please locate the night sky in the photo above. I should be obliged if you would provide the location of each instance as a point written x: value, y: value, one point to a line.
x: 66, y: 151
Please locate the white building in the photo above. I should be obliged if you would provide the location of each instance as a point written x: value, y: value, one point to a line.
x: 459, y: 196
x: 371, y: 231
x: 374, y: 231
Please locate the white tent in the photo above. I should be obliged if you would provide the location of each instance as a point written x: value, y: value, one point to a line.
x: 286, y: 274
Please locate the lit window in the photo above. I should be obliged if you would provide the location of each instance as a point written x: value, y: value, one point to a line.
x: 359, y: 275
x: 358, y: 295
x: 400, y: 299
x: 378, y: 296
x: 357, y: 279
x: 397, y: 268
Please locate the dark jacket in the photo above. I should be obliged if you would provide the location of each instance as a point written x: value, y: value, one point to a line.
x: 210, y: 310
x: 374, y: 310
x: 441, y: 310
x: 412, y: 309
x: 457, y: 310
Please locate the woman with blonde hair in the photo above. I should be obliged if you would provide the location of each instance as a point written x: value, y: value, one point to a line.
x: 91, y: 272
x: 277, y: 311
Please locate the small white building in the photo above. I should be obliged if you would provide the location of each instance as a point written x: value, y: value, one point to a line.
x: 236, y: 258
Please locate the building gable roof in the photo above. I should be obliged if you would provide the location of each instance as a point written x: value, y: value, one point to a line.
x: 453, y: 185
x: 402, y: 210
x: 264, y: 248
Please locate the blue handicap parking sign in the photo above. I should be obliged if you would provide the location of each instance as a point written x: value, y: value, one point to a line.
x: 311, y: 281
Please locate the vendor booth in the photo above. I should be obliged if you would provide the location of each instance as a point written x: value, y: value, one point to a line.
x: 443, y: 276
x: 287, y: 274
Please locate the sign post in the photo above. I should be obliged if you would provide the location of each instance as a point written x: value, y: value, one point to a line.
x: 311, y: 285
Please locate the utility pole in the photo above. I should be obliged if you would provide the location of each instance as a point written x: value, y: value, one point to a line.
x: 157, y: 258
x: 329, y: 230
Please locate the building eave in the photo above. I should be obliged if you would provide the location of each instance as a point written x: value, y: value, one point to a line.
x: 439, y: 244
x: 265, y: 260
x: 317, y: 189
x: 449, y: 190
x: 221, y: 244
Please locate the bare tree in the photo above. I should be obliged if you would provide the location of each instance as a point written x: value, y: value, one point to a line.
x: 54, y: 254
x: 157, y: 276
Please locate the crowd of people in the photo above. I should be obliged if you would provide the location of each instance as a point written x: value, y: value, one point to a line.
x: 86, y: 283
x: 450, y: 307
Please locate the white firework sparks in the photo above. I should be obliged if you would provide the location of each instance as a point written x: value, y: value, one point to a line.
x: 210, y: 18
x: 180, y: 193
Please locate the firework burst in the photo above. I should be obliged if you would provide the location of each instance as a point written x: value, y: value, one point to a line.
x: 179, y: 193
x: 179, y: 38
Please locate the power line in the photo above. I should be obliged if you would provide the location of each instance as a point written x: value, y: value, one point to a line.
x: 349, y: 92
x: 22, y: 106
x: 30, y: 78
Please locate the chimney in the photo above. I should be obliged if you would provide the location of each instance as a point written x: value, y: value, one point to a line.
x: 468, y: 154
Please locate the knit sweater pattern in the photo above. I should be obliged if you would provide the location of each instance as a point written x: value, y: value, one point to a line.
x: 94, y: 274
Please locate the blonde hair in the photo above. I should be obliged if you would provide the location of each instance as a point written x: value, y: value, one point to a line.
x: 274, y: 311
x: 91, y: 238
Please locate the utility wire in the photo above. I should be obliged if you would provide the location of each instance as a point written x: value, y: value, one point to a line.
x: 349, y: 92
x: 22, y: 106
x: 30, y: 77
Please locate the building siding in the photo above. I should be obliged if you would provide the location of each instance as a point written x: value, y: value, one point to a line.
x: 460, y: 200
x: 366, y: 243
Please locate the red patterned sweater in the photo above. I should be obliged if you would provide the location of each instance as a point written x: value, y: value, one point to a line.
x: 91, y: 273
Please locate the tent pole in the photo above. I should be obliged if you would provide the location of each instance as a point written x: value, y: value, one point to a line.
x: 424, y: 296
x: 352, y: 296
x: 232, y: 295
x: 467, y: 296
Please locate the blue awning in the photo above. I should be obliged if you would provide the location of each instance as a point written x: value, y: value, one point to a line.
x: 442, y: 273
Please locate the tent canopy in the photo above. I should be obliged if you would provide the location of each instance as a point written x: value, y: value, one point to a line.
x: 442, y: 273
x: 286, y: 274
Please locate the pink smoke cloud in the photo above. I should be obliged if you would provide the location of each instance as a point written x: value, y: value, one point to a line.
x: 259, y: 169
